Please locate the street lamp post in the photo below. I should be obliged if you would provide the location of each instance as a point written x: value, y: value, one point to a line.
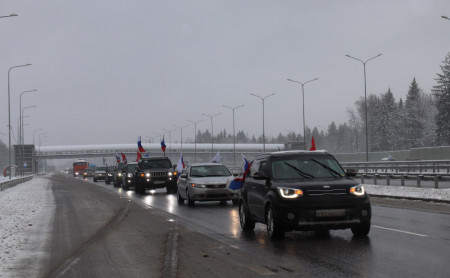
x: 181, y: 128
x: 234, y: 131
x: 21, y: 120
x: 365, y: 99
x: 212, y: 130
x: 9, y: 114
x: 445, y: 17
x: 303, y: 100
x: 34, y: 131
x: 23, y: 140
x: 195, y: 137
x: 263, y: 135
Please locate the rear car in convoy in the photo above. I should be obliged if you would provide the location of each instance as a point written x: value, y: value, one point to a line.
x: 155, y: 172
x: 99, y: 173
x: 128, y: 172
x: 206, y: 182
x: 303, y: 190
x: 88, y: 173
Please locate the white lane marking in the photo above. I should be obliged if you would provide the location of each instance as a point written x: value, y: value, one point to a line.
x: 400, y: 231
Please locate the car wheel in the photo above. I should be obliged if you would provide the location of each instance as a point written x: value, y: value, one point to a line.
x: 126, y: 187
x: 235, y: 202
x: 107, y: 182
x: 274, y: 228
x: 190, y: 202
x: 223, y: 203
x: 180, y: 199
x: 247, y: 222
x: 361, y: 230
x: 95, y: 180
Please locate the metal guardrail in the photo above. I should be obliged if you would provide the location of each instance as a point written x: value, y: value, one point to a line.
x: 434, y: 170
x: 13, y: 182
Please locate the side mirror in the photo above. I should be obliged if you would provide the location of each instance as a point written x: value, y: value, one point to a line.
x: 235, y: 173
x: 351, y: 172
x: 183, y: 176
x: 260, y: 176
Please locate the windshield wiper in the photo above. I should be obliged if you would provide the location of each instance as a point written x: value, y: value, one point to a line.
x: 300, y: 172
x: 331, y: 170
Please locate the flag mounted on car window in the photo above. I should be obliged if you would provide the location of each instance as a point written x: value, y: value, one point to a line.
x: 216, y: 158
x: 237, y: 182
x: 180, y: 164
x: 124, y: 158
x: 141, y: 149
x: 117, y: 157
x: 163, y: 146
x: 313, y: 145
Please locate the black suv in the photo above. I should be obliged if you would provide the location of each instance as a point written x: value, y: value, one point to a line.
x: 155, y: 172
x: 303, y: 190
x: 128, y: 173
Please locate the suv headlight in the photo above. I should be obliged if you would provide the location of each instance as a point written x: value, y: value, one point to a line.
x: 169, y: 174
x: 147, y: 175
x: 119, y: 174
x: 290, y: 193
x: 129, y: 175
x: 357, y: 190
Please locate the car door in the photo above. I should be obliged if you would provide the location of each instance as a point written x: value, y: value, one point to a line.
x: 256, y: 190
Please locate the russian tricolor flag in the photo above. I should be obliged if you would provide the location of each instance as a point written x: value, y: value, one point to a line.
x: 163, y: 146
x: 237, y: 183
x: 141, y: 149
x: 180, y: 164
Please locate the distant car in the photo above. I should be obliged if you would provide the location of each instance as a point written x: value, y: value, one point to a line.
x: 118, y: 174
x: 99, y: 173
x: 303, y: 190
x: 129, y: 172
x: 206, y: 182
x: 88, y: 172
x: 110, y: 174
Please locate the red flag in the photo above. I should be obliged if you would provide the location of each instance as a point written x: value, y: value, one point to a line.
x: 124, y: 158
x: 313, y: 145
x: 141, y: 149
x: 139, y: 156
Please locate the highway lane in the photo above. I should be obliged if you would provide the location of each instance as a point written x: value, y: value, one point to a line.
x: 402, y: 242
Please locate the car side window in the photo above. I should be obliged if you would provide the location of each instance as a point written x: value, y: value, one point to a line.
x: 263, y: 167
x: 255, y: 167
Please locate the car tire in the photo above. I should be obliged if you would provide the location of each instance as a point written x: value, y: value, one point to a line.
x: 190, y: 202
x: 275, y: 229
x: 126, y: 187
x: 235, y: 202
x: 361, y: 230
x: 180, y: 199
x: 247, y: 222
x: 95, y: 180
x: 107, y: 182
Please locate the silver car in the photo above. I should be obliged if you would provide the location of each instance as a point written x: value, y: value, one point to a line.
x: 206, y: 182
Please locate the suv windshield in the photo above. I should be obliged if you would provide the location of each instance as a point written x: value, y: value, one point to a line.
x: 100, y: 168
x: 305, y: 167
x: 210, y: 171
x: 163, y: 163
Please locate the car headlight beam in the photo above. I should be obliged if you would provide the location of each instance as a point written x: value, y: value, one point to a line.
x: 357, y: 190
x: 290, y: 193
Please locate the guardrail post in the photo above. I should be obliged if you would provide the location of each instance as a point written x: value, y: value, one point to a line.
x: 402, y: 182
x: 388, y: 180
x: 418, y: 180
x: 362, y: 178
x: 375, y: 178
x: 436, y: 185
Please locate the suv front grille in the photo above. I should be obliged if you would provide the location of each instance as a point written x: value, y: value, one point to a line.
x: 324, y: 192
x: 158, y: 174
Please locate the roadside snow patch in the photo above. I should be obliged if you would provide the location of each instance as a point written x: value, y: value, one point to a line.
x: 408, y: 192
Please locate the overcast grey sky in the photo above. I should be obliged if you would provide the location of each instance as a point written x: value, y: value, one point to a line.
x: 108, y: 71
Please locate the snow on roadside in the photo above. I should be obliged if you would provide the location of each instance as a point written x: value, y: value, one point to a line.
x: 408, y: 192
x: 26, y: 213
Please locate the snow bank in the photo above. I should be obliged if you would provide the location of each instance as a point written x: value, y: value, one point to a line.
x: 408, y: 192
x: 26, y: 212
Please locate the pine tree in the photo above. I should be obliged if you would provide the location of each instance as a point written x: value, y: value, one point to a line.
x: 442, y: 96
x: 414, y: 115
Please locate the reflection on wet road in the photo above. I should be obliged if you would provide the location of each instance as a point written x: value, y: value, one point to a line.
x: 402, y: 242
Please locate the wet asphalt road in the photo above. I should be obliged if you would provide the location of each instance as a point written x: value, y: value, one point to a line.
x: 402, y: 242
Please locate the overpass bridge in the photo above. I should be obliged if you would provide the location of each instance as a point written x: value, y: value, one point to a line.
x: 191, y: 152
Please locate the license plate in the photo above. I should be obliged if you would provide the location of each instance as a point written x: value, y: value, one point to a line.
x: 330, y: 212
x: 159, y: 182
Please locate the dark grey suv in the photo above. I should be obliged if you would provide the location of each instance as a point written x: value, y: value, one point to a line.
x: 302, y: 190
